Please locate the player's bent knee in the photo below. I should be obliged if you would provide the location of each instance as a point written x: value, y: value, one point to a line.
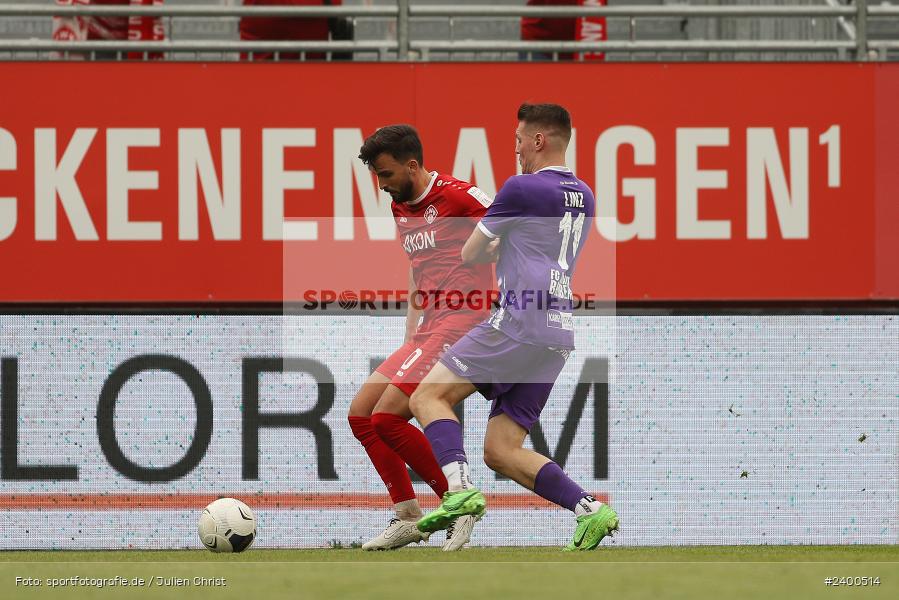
x: 425, y: 396
x: 393, y: 401
x: 361, y: 406
x: 493, y: 459
x: 364, y: 402
x: 416, y: 402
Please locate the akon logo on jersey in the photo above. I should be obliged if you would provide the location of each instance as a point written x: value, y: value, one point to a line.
x: 419, y: 241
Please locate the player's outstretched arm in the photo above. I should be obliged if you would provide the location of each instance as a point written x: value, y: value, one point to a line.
x: 480, y: 248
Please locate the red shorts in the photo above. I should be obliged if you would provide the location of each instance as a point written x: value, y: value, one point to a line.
x: 413, y: 360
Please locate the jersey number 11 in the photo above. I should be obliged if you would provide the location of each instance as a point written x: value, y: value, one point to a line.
x: 565, y: 228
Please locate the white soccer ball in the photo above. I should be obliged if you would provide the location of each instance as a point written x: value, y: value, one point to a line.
x: 227, y: 525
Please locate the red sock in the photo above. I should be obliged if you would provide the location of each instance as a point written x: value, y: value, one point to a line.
x: 412, y: 446
x: 387, y: 463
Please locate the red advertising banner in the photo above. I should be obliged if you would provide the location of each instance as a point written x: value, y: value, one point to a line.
x: 170, y: 182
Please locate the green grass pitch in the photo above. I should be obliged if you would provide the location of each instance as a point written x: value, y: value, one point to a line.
x: 613, y: 573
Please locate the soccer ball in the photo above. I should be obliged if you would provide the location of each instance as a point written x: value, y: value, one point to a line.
x: 227, y: 525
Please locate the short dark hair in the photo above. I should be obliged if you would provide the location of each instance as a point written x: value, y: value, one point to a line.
x: 399, y: 141
x: 547, y: 115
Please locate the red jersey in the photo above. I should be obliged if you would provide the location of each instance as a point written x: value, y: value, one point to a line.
x: 546, y: 28
x: 543, y: 29
x: 433, y: 230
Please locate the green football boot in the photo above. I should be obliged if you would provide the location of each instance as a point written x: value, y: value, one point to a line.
x: 592, y: 528
x: 453, y: 506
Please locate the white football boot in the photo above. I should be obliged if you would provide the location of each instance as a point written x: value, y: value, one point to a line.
x: 459, y: 532
x: 398, y: 534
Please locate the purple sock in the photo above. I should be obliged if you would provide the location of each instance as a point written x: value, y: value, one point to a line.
x: 553, y: 484
x: 445, y: 436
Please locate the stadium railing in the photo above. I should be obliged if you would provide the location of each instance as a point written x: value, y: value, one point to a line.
x: 855, y: 20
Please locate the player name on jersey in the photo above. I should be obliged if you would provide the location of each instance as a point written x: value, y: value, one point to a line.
x: 574, y: 199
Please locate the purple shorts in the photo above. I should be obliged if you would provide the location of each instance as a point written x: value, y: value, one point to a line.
x: 516, y: 376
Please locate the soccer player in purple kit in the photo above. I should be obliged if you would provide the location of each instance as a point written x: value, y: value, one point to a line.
x: 541, y: 219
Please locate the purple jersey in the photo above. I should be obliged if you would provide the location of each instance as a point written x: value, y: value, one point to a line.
x: 543, y: 220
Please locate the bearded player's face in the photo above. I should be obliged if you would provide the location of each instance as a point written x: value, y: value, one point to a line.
x: 394, y: 177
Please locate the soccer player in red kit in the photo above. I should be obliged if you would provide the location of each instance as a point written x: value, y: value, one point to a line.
x: 434, y: 214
